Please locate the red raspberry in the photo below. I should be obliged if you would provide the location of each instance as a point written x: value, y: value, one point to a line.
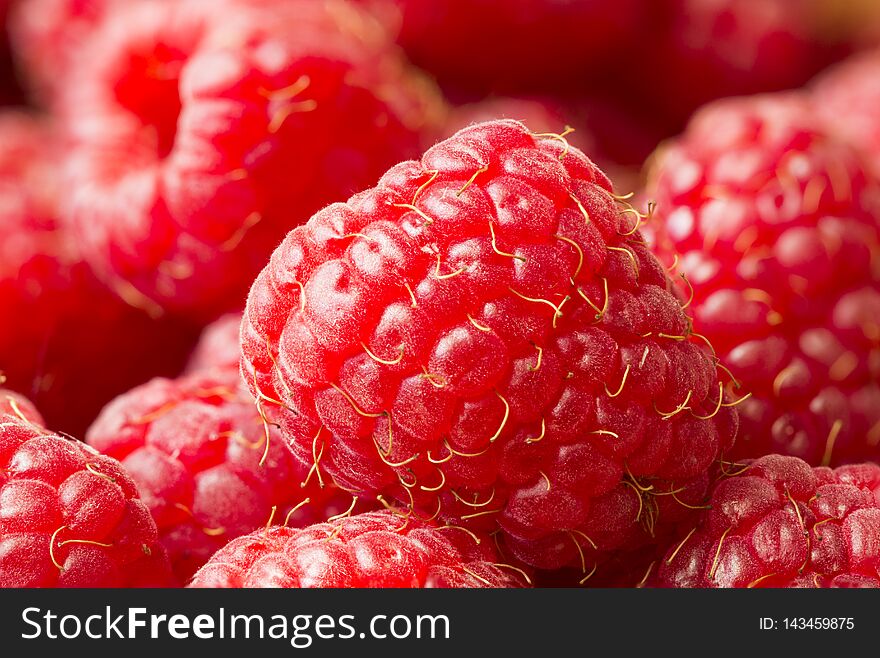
x: 616, y: 139
x: 779, y: 523
x: 71, y: 517
x: 201, y: 136
x: 14, y: 404
x: 701, y: 50
x: 777, y: 228
x: 218, y: 346
x: 376, y: 549
x: 514, y: 45
x: 446, y: 339
x: 848, y: 99
x: 197, y: 449
x: 64, y: 335
x: 48, y: 34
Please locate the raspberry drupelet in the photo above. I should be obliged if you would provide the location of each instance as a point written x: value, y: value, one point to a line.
x: 70, y: 516
x: 485, y: 338
x: 779, y: 523
x: 200, y: 137
x: 775, y: 224
x: 374, y: 549
x: 207, y: 465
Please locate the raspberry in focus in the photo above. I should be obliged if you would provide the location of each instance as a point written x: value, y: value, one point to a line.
x: 374, y: 549
x: 485, y: 338
x: 779, y: 523
x: 71, y: 517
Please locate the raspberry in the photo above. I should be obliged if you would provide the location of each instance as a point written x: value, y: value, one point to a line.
x: 14, y: 404
x: 779, y: 523
x: 64, y: 335
x: 375, y: 549
x: 707, y: 49
x: 71, y: 517
x: 197, y: 449
x: 218, y: 346
x: 847, y: 97
x: 446, y: 339
x: 513, y: 45
x: 48, y: 34
x: 776, y: 224
x: 197, y: 131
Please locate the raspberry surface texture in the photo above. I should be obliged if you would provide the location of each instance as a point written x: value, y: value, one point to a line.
x: 485, y: 338
x: 775, y: 225
x: 15, y: 404
x: 852, y: 90
x: 71, y: 517
x: 202, y: 133
x: 780, y: 523
x: 64, y: 335
x: 206, y: 465
x: 375, y: 549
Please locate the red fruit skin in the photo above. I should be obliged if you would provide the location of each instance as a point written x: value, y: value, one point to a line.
x: 776, y: 227
x: 511, y: 46
x: 450, y: 386
x: 15, y: 404
x: 201, y: 136
x: 70, y: 516
x: 48, y: 34
x: 196, y: 448
x: 375, y: 549
x: 66, y: 334
x: 780, y: 523
x: 847, y: 98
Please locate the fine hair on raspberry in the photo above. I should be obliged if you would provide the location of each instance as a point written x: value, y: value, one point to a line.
x: 485, y: 338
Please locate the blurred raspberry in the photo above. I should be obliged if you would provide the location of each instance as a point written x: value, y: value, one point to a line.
x: 776, y: 226
x: 378, y: 549
x: 202, y: 135
x: 485, y: 337
x: 780, y: 523
x: 847, y: 98
x: 68, y: 343
x: 71, y: 517
x: 206, y: 465
x: 15, y: 404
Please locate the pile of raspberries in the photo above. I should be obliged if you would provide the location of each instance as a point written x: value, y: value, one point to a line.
x: 301, y: 293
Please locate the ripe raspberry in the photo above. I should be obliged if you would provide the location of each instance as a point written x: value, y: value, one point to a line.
x: 616, y: 139
x: 513, y: 45
x: 779, y: 523
x: 201, y: 136
x: 707, y: 49
x: 447, y: 339
x: 777, y: 228
x: 71, y: 517
x: 218, y: 346
x: 376, y: 549
x: 48, y: 34
x: 196, y: 447
x: 847, y: 97
x: 64, y: 335
x: 14, y: 404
